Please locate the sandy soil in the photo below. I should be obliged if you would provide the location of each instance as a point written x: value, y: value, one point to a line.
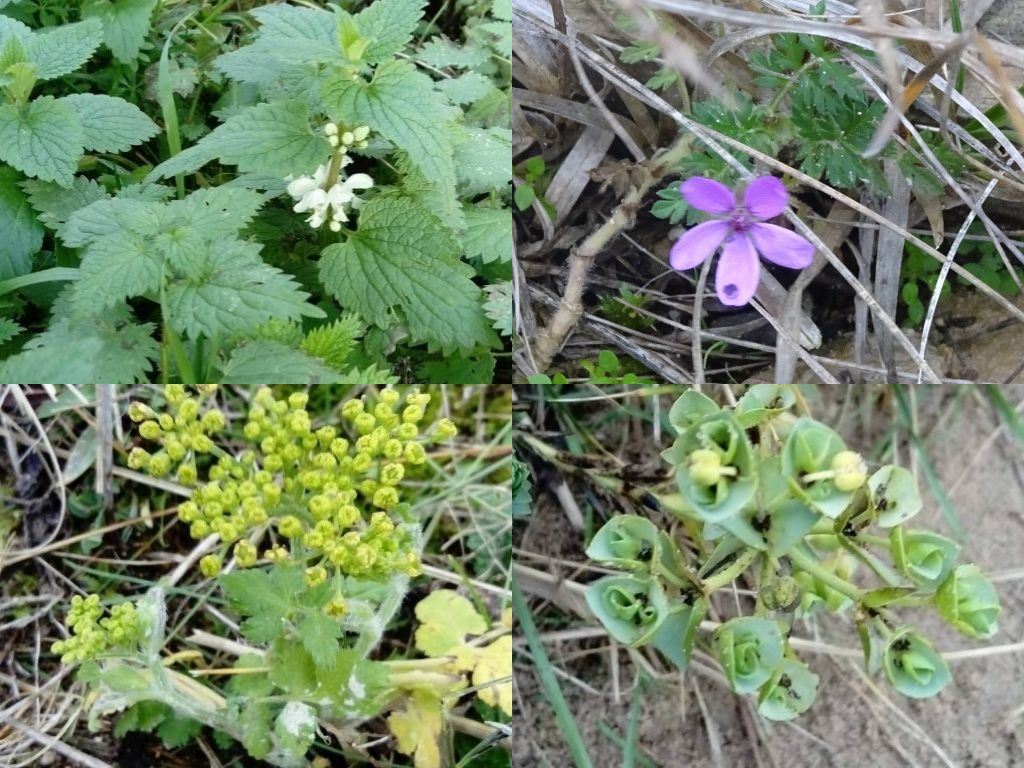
x: 850, y: 725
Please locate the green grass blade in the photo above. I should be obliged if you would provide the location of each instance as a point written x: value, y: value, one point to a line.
x: 549, y: 684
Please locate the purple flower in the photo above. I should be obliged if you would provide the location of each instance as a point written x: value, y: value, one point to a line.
x: 742, y: 229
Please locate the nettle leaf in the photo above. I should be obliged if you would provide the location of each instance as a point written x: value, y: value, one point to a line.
x: 499, y: 307
x: 438, y: 52
x: 402, y: 259
x: 400, y: 104
x: 229, y: 289
x: 488, y: 234
x: 41, y: 139
x: 108, y: 216
x: 485, y: 161
x: 110, y: 124
x: 21, y: 235
x: 55, y: 203
x: 310, y: 28
x: 58, y: 51
x: 115, y: 268
x: 8, y: 329
x: 66, y: 353
x: 466, y: 88
x: 218, y: 211
x: 458, y: 368
x: 274, y: 139
x: 125, y: 24
x: 261, y: 361
x: 389, y: 24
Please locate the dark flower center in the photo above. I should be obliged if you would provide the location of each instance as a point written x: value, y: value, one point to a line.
x: 731, y: 290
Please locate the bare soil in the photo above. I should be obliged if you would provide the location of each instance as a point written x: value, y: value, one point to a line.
x: 851, y: 724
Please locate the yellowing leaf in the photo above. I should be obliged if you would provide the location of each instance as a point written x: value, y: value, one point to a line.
x: 446, y: 617
x: 417, y: 728
x: 494, y: 663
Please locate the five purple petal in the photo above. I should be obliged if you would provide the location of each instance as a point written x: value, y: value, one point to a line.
x: 744, y: 233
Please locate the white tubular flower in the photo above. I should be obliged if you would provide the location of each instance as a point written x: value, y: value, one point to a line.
x: 327, y: 205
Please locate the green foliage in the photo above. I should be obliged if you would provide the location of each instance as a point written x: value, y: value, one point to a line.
x: 608, y: 369
x: 125, y: 24
x: 620, y: 309
x: 920, y: 273
x: 793, y: 508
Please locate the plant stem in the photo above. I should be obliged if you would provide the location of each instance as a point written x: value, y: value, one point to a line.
x: 738, y: 566
x: 570, y: 308
x: 812, y: 566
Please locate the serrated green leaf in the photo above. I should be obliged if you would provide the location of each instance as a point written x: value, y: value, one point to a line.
x: 488, y: 234
x: 256, y: 595
x: 333, y: 343
x: 110, y: 124
x: 41, y: 139
x: 143, y: 716
x: 402, y: 259
x: 292, y: 668
x: 273, y: 139
x: 218, y: 211
x: 229, y: 289
x: 67, y: 353
x: 389, y: 24
x: 125, y: 25
x: 8, y: 329
x: 499, y: 307
x: 305, y: 26
x: 21, y: 235
x: 176, y: 731
x: 116, y: 268
x: 319, y: 635
x: 485, y: 161
x: 256, y: 729
x: 502, y: 9
x: 401, y: 105
x: 58, y: 51
x: 109, y: 216
x: 263, y: 361
x: 466, y: 88
x: 55, y: 203
x: 439, y: 52
x: 458, y: 368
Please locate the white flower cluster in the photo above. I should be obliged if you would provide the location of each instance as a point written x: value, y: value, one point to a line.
x: 329, y: 204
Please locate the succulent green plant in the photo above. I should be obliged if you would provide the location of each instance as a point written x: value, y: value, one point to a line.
x: 764, y: 487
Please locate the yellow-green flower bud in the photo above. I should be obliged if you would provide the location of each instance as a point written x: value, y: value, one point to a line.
x: 299, y: 423
x: 320, y: 507
x: 150, y: 430
x: 389, y: 397
x: 188, y: 511
x: 316, y: 576
x: 166, y: 422
x: 347, y: 515
x: 705, y: 466
x: 206, y: 390
x: 368, y: 487
x: 392, y: 474
x: 336, y: 608
x: 364, y: 423
x: 407, y: 431
x: 202, y: 444
x: 290, y: 526
x: 362, y: 462
x: 351, y: 409
x: 159, y: 464
x: 392, y: 449
x: 419, y: 399
x: 210, y: 565
x: 138, y: 458
x: 382, y: 411
x: 189, y: 409
x: 291, y: 453
x: 174, y: 393
x: 187, y: 474
x: 140, y: 411
x: 850, y: 471
x: 385, y: 498
x: 339, y: 447
x: 245, y: 554
x: 415, y: 453
x: 279, y: 408
x: 412, y: 414
x: 276, y: 555
x: 271, y: 494
x: 175, y: 449
x: 217, y: 472
x: 199, y: 529
x: 264, y: 397
x: 252, y: 430
x: 445, y: 430
x: 213, y: 421
x: 297, y: 400
x: 273, y: 462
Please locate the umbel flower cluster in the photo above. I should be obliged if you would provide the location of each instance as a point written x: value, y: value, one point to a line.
x: 781, y: 496
x: 91, y: 636
x: 332, y: 498
x: 324, y: 194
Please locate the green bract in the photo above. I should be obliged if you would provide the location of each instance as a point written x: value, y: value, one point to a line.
x: 690, y: 408
x: 750, y: 650
x: 913, y: 667
x: 926, y: 557
x: 677, y: 634
x: 789, y: 693
x: 969, y: 602
x: 894, y: 495
x: 810, y: 450
x: 633, y: 543
x: 764, y: 402
x: 632, y: 608
x: 715, y: 467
